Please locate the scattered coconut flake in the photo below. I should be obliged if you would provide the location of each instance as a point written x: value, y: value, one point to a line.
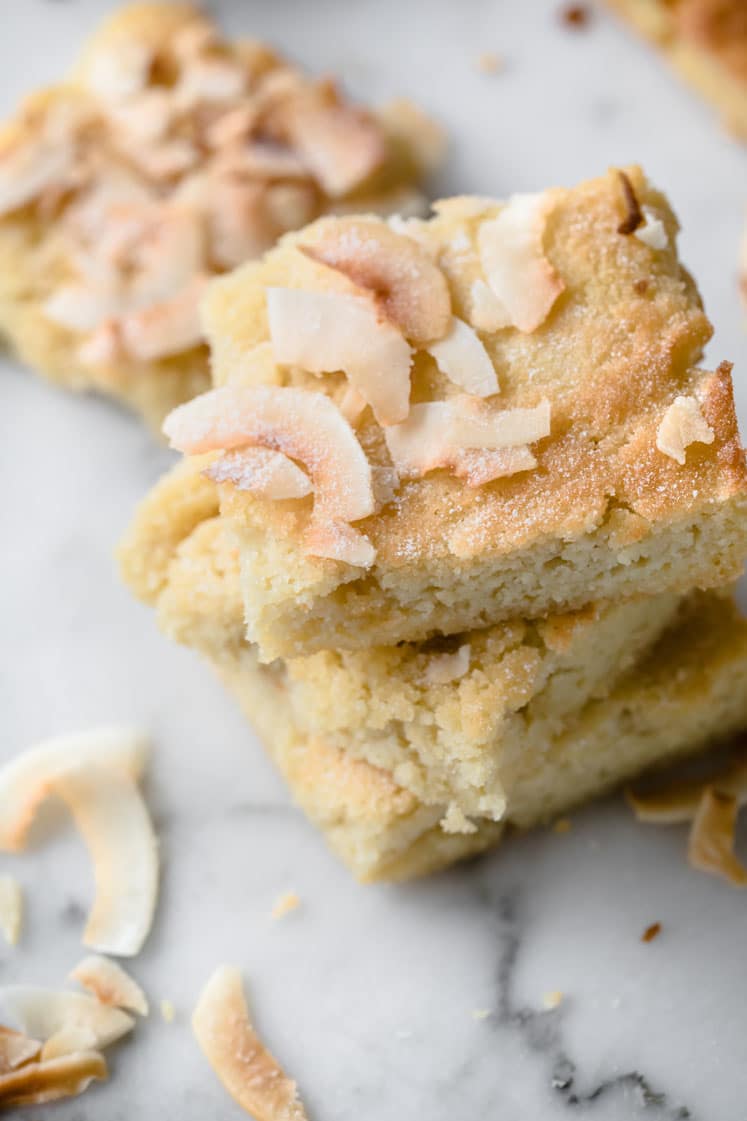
x: 250, y: 1074
x: 168, y: 1012
x: 653, y: 233
x: 16, y: 1049
x: 144, y: 119
x: 166, y: 159
x: 327, y: 331
x: 11, y: 909
x: 711, y: 842
x: 553, y: 999
x: 27, y: 780
x: 683, y: 424
x: 28, y: 169
x: 445, y: 668
x: 486, y: 313
x: 266, y: 473
x: 284, y: 904
x: 82, y: 308
x: 110, y: 984
x: 42, y: 1013
x: 102, y: 347
x: 447, y: 434
x: 405, y: 282
x: 121, y: 71
x: 112, y: 818
x: 208, y: 80
x: 169, y: 327
x: 339, y: 144
x: 465, y: 361
x: 303, y: 425
x: 37, y: 1083
x: 489, y: 63
x: 67, y: 1041
x: 513, y: 260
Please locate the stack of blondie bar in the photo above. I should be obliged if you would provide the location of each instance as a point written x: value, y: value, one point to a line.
x: 460, y: 520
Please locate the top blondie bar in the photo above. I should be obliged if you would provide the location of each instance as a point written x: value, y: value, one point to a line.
x: 422, y: 427
x: 168, y: 155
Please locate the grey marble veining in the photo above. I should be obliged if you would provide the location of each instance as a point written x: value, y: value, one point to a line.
x: 369, y: 994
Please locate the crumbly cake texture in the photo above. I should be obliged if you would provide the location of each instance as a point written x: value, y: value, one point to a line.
x: 706, y: 42
x: 686, y: 689
x: 168, y: 155
x: 613, y: 465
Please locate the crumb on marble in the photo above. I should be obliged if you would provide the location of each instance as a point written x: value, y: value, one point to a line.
x: 553, y: 999
x: 490, y: 63
x: 480, y: 1013
x: 562, y: 825
x: 575, y: 15
x: 651, y: 932
x: 168, y: 1012
x: 284, y: 904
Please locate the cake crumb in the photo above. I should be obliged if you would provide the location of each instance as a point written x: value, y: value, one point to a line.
x: 480, y: 1013
x: 490, y: 63
x: 552, y: 999
x: 562, y: 825
x: 168, y: 1011
x: 284, y: 904
x: 651, y: 932
x: 575, y: 15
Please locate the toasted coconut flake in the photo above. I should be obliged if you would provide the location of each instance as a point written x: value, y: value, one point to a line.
x: 103, y: 347
x: 231, y: 127
x: 677, y: 802
x: 166, y: 160
x: 445, y: 668
x: 327, y: 331
x: 16, y: 1049
x: 303, y: 425
x: 339, y: 144
x: 633, y: 214
x: 405, y: 282
x: 67, y: 1041
x: 653, y: 232
x: 82, y: 308
x: 553, y: 999
x: 43, y: 1013
x: 514, y: 262
x: 37, y: 1083
x: 11, y: 909
x: 711, y: 842
x: 250, y: 1074
x: 238, y: 223
x: 111, y: 816
x: 284, y: 904
x: 486, y: 313
x: 352, y: 404
x: 166, y: 328
x: 27, y: 780
x: 208, y: 80
x: 683, y: 424
x: 29, y: 169
x: 465, y: 361
x: 144, y: 119
x: 120, y: 72
x: 447, y: 434
x: 266, y: 473
x: 110, y: 984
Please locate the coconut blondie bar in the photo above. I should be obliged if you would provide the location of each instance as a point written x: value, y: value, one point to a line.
x: 429, y: 427
x: 706, y: 42
x: 671, y: 678
x: 168, y: 155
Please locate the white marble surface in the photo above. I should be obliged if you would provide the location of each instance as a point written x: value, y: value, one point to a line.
x: 368, y: 993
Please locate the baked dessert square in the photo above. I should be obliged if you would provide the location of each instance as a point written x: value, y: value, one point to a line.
x: 427, y: 427
x: 677, y: 688
x: 168, y: 155
x: 706, y: 42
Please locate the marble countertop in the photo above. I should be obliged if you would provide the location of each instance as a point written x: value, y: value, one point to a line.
x: 374, y: 998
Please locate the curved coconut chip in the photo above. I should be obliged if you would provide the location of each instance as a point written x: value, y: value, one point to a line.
x: 403, y: 279
x: 683, y: 424
x: 514, y: 262
x: 11, y: 909
x: 67, y: 1041
x: 247, y: 1070
x: 339, y: 144
x: 16, y: 1049
x: 119, y: 72
x: 266, y: 473
x: 110, y: 984
x: 303, y: 425
x: 28, y: 169
x: 678, y: 801
x: 168, y: 327
x: 37, y: 1083
x: 327, y: 331
x: 43, y: 1013
x: 711, y: 843
x: 466, y: 436
x: 465, y: 361
x: 111, y: 816
x: 27, y: 780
